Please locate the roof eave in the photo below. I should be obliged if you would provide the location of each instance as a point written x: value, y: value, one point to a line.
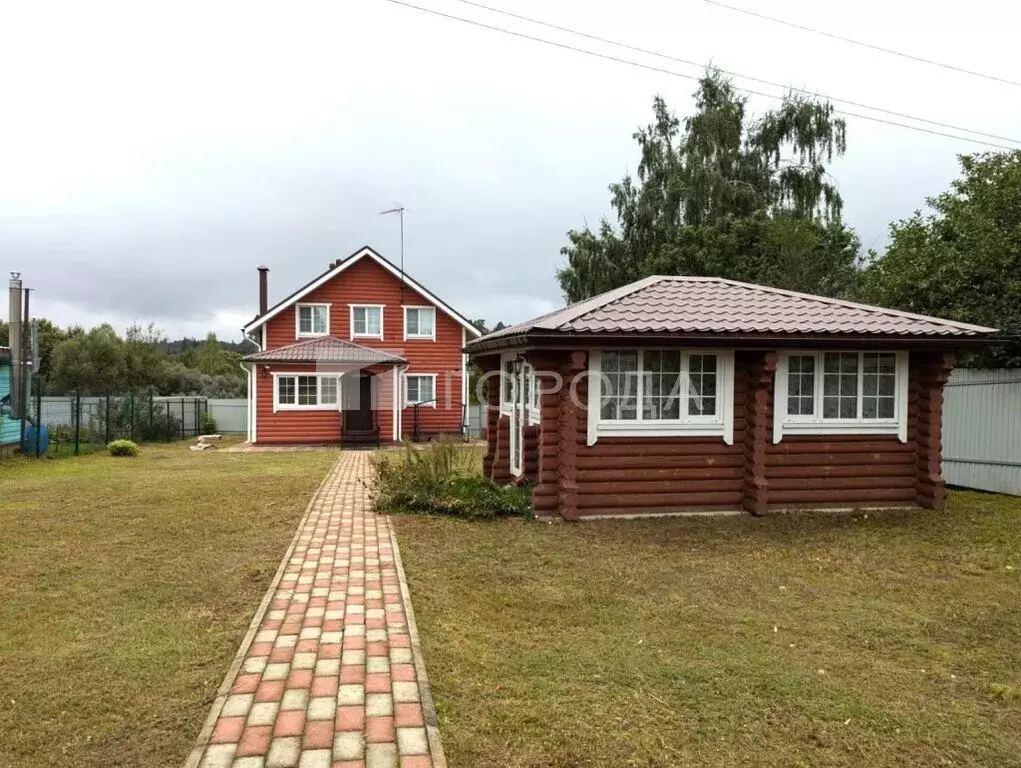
x: 568, y: 339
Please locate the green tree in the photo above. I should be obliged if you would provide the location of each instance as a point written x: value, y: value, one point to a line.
x: 144, y: 357
x: 213, y: 359
x: 722, y: 177
x: 962, y: 260
x: 91, y: 363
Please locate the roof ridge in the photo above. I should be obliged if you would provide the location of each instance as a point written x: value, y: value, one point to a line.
x: 858, y: 305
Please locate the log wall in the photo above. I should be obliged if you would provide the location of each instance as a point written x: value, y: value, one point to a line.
x: 644, y: 475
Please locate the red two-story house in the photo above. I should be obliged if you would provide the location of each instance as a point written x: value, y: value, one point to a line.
x: 362, y: 354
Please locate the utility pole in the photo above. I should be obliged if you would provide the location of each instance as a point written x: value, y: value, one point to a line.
x: 399, y: 210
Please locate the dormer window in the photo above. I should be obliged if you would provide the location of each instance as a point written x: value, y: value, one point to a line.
x: 313, y: 320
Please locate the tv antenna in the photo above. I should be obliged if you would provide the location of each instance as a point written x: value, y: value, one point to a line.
x: 399, y: 210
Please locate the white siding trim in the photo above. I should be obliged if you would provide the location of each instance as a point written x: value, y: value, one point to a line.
x: 464, y: 383
x: 595, y: 363
x: 394, y: 396
x: 263, y: 338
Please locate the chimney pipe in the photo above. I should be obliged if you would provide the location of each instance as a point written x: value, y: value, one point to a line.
x: 263, y: 290
x: 16, y: 345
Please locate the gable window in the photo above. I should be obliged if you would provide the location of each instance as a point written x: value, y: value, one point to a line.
x: 420, y: 323
x: 420, y: 389
x: 367, y: 321
x: 837, y: 392
x: 305, y: 392
x: 313, y: 319
x: 661, y: 392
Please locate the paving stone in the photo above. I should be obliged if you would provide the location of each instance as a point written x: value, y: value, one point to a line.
x: 284, y: 752
x: 263, y: 713
x: 329, y: 680
x: 218, y: 756
x: 381, y: 756
x: 412, y: 741
x: 349, y: 745
x: 315, y: 758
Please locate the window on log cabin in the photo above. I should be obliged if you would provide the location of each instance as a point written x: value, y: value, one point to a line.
x: 661, y: 392
x: 831, y: 392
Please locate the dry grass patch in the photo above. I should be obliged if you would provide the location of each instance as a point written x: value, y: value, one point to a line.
x: 883, y: 640
x: 126, y: 585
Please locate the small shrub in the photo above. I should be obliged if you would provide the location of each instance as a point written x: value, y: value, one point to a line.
x: 208, y: 424
x: 122, y: 448
x: 442, y: 479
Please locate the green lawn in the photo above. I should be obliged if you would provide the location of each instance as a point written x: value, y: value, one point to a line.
x: 886, y: 639
x: 126, y: 586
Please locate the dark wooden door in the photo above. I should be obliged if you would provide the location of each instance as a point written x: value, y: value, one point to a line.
x: 357, y: 399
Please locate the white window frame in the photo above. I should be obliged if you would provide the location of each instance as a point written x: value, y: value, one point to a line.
x: 420, y: 336
x: 508, y: 383
x: 788, y: 424
x: 298, y: 333
x: 408, y: 403
x: 319, y: 406
x: 721, y: 424
x: 379, y: 335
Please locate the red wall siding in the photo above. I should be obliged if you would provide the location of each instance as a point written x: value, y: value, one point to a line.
x: 366, y: 282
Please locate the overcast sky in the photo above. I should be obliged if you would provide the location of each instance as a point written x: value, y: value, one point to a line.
x: 153, y: 154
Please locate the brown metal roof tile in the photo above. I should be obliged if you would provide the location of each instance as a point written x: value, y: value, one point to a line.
x: 325, y: 349
x: 679, y: 305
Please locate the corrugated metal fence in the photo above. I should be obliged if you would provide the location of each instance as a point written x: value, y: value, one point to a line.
x: 982, y: 430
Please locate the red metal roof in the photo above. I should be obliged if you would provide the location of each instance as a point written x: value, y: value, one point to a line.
x: 696, y: 305
x: 325, y: 349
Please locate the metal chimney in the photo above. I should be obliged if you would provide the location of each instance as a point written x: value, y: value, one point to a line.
x: 17, y: 347
x: 263, y: 290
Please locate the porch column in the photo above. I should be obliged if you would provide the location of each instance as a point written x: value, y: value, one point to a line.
x: 491, y: 416
x: 759, y: 368
x: 932, y: 371
x: 573, y: 418
x: 546, y: 493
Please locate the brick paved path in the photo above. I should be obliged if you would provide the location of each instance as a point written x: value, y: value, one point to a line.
x: 332, y: 676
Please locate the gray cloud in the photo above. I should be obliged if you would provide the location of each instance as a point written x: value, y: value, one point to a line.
x: 147, y: 165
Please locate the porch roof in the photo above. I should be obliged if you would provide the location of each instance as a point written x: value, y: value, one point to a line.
x: 326, y: 349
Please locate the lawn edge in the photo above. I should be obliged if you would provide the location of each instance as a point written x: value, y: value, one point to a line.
x: 432, y: 723
x: 195, y: 756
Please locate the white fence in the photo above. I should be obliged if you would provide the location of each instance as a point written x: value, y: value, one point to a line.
x: 231, y: 416
x: 982, y: 430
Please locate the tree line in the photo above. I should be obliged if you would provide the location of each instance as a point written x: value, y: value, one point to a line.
x: 99, y: 360
x: 724, y: 193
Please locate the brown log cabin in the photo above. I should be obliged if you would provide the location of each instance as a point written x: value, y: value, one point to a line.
x: 682, y: 394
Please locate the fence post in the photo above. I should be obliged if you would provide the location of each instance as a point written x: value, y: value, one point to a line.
x: 108, y: 417
x: 77, y: 419
x: 182, y: 419
x: 168, y: 421
x: 152, y: 406
x: 38, y: 416
x: 131, y: 429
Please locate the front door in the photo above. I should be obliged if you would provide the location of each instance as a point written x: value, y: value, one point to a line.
x: 356, y: 397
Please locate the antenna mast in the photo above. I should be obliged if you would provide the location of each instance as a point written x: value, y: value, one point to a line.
x: 399, y: 210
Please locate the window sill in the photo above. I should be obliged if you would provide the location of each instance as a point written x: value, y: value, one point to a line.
x: 838, y: 428
x: 420, y: 338
x: 421, y: 405
x: 666, y: 429
x: 376, y: 336
x: 312, y: 335
x: 329, y: 407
